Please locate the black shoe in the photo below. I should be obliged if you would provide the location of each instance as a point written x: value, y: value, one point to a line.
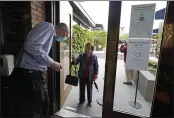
x: 81, y: 103
x: 89, y: 104
x: 127, y: 83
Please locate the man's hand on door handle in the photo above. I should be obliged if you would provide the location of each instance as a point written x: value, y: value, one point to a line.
x: 56, y: 66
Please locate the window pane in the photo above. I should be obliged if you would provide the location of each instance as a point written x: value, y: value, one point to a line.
x: 125, y: 87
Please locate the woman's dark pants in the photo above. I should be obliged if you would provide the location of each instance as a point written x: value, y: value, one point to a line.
x: 89, y: 84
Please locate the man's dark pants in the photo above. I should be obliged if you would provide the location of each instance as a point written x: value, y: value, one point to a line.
x: 30, y: 94
x: 83, y: 82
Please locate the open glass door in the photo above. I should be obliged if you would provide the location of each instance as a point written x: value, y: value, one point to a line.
x: 155, y: 84
x: 59, y: 11
x: 65, y: 15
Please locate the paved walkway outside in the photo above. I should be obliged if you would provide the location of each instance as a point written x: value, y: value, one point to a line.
x: 123, y: 94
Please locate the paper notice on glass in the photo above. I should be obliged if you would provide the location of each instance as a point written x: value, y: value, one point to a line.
x: 138, y: 54
x: 141, y: 23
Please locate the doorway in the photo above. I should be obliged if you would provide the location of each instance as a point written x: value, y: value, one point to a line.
x: 110, y: 73
x: 85, y: 30
x: 59, y: 11
x: 162, y: 103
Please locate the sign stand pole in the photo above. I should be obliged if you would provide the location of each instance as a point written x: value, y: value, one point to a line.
x: 134, y: 103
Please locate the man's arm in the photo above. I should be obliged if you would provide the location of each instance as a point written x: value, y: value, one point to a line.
x: 35, y: 41
x: 40, y: 56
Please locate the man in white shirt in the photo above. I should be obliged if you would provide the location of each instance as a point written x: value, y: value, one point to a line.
x: 28, y: 83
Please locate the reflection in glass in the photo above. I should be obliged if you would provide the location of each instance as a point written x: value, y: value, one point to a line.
x: 66, y: 57
x: 164, y: 89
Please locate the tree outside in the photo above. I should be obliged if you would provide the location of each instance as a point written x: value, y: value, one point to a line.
x: 99, y: 39
x: 124, y: 36
x: 81, y: 36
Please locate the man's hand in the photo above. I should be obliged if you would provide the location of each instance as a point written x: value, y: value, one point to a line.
x: 95, y: 77
x: 56, y: 66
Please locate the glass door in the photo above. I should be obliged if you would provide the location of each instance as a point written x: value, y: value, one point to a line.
x: 65, y: 50
x: 155, y: 84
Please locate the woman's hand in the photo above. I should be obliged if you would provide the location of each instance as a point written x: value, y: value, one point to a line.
x: 73, y: 60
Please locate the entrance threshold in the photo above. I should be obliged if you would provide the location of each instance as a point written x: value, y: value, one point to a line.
x: 65, y: 113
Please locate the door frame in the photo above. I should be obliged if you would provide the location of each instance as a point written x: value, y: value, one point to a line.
x: 54, y: 78
x: 52, y: 15
x: 167, y: 46
x: 65, y: 16
x: 111, y: 63
x: 111, y: 57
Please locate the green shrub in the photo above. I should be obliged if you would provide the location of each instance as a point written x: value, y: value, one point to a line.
x: 152, y: 70
x: 79, y: 40
x: 153, y: 63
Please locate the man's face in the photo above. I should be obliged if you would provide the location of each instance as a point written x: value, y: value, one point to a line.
x: 61, y: 33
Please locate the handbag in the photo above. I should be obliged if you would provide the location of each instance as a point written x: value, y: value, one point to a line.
x: 71, y: 79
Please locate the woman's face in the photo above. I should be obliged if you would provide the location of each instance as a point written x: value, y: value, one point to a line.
x: 88, y: 49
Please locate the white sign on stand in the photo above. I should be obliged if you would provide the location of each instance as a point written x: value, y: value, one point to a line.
x: 138, y: 54
x: 142, y: 18
x: 140, y: 33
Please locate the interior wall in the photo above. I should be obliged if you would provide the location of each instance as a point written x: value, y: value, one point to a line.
x: 16, y: 22
x: 37, y: 12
